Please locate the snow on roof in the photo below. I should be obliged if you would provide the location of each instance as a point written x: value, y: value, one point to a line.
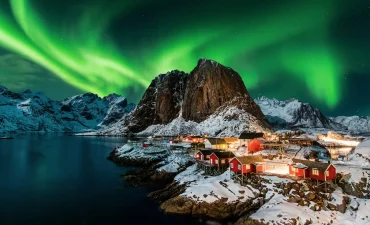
x: 300, y: 165
x: 312, y: 164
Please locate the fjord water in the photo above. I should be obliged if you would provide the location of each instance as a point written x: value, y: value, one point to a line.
x: 54, y: 179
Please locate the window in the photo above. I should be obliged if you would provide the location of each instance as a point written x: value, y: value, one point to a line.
x: 327, y: 173
x: 248, y: 167
x: 239, y: 167
x: 207, y: 156
x: 231, y: 165
x: 315, y: 172
x: 222, y: 161
x: 216, y: 161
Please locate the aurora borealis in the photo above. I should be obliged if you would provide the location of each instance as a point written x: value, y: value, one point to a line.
x: 312, y: 50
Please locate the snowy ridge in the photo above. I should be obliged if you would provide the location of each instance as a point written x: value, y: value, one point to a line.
x: 356, y: 124
x: 229, y: 122
x: 33, y: 111
x: 294, y: 114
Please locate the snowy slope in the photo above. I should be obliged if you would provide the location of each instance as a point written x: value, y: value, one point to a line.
x: 33, y: 111
x: 292, y: 114
x: 228, y: 122
x: 356, y: 124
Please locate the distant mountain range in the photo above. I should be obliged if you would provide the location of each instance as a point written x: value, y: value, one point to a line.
x: 294, y: 114
x: 33, y: 111
x: 212, y: 99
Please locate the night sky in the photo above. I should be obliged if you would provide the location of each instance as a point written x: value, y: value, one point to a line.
x: 316, y: 51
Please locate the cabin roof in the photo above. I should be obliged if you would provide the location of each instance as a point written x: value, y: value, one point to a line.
x: 207, y: 151
x: 224, y: 154
x: 216, y: 141
x: 250, y: 159
x: 312, y: 164
x: 248, y: 135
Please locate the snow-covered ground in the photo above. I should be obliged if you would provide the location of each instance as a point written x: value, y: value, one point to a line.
x: 138, y: 152
x: 212, y: 188
x: 229, y: 122
x: 340, y: 142
x: 278, y: 210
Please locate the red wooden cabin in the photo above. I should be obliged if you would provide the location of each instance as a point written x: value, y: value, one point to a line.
x: 221, y: 158
x: 247, y: 164
x: 204, y: 154
x: 255, y: 145
x: 311, y: 169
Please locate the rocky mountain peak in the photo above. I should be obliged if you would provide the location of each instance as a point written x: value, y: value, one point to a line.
x: 194, y: 96
x: 161, y: 102
x: 211, y: 85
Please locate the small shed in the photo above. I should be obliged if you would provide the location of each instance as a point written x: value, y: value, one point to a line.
x: 298, y: 170
x: 315, y: 170
x: 217, y: 143
x: 204, y: 154
x: 247, y: 164
x: 221, y: 158
x: 246, y: 137
x: 255, y: 145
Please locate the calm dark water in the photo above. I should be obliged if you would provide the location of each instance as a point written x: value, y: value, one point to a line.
x: 56, y: 179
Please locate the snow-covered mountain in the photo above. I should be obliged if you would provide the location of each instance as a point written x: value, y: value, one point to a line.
x: 212, y: 99
x: 355, y: 124
x: 33, y: 111
x: 293, y: 113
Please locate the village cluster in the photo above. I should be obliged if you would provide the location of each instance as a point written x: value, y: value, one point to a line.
x: 259, y: 153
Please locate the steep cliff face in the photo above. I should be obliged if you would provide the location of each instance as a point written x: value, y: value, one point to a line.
x: 193, y: 97
x: 161, y: 103
x: 211, y: 85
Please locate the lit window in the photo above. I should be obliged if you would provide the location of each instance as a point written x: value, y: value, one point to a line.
x: 248, y: 167
x: 315, y: 172
x: 231, y: 165
x: 222, y: 161
x: 327, y: 173
x: 239, y: 167
x: 207, y: 156
x: 216, y: 161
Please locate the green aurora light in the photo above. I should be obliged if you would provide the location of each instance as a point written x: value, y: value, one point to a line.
x: 87, y: 59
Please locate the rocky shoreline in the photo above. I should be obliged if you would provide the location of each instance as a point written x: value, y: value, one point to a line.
x: 174, y: 196
x: 169, y: 197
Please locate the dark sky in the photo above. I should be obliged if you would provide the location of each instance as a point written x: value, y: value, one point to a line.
x: 316, y: 51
